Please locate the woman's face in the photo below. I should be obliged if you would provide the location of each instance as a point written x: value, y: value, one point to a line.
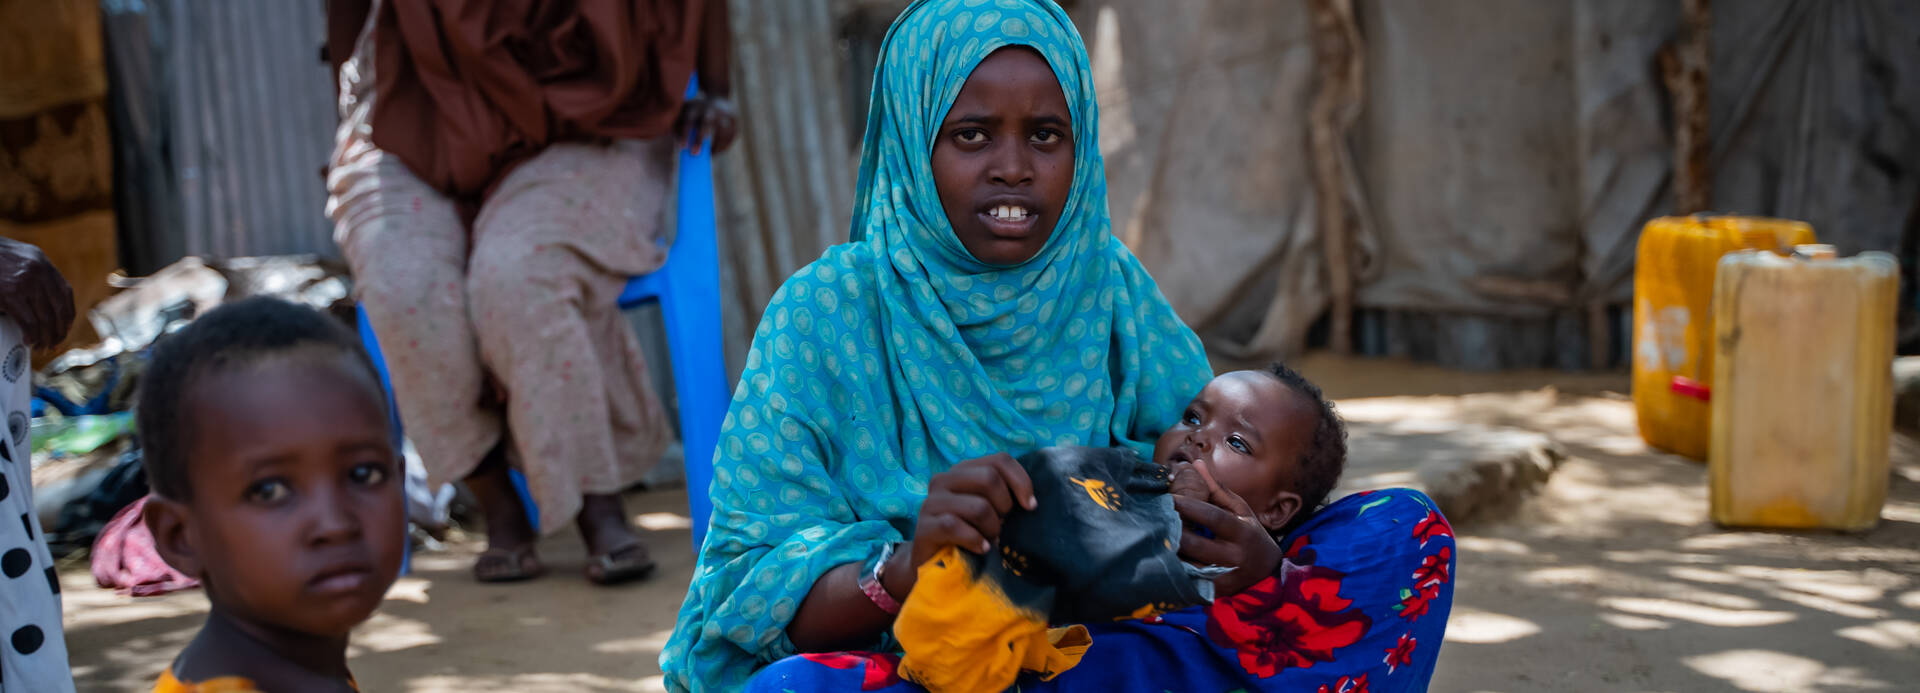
x: 1003, y: 158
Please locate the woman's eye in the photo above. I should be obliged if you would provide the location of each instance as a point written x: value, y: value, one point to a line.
x: 1046, y: 137
x: 268, y: 491
x: 369, y: 474
x: 970, y: 136
x: 1240, y: 445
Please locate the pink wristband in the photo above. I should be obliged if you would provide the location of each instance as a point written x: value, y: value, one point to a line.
x: 870, y: 582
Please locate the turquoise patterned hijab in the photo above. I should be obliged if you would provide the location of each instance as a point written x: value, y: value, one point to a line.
x: 897, y: 355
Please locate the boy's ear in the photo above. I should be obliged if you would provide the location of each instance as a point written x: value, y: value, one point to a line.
x: 167, y: 520
x: 1280, y: 511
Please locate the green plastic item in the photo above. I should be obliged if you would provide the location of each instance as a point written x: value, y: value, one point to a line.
x: 79, y: 435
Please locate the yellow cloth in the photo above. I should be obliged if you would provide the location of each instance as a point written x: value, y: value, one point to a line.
x: 963, y: 634
x: 224, y: 684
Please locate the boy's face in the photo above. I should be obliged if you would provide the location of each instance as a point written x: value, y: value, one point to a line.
x: 297, y: 516
x: 1249, y: 430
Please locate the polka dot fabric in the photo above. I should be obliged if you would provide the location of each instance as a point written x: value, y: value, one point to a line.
x: 897, y: 355
x: 33, y: 655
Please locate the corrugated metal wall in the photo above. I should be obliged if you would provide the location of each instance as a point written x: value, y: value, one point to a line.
x: 786, y: 189
x: 224, y: 118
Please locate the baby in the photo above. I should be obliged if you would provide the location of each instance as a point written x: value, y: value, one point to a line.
x: 275, y: 483
x: 1262, y: 444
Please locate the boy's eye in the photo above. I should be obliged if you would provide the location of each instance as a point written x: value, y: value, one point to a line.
x: 1240, y: 445
x: 368, y: 474
x: 1190, y: 418
x: 268, y: 491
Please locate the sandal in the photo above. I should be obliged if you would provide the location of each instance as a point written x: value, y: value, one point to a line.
x: 508, y: 565
x: 628, y: 563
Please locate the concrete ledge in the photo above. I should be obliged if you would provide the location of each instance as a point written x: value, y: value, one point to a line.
x: 1473, y: 471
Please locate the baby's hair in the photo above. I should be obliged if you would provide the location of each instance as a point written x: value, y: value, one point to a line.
x: 233, y: 334
x: 1326, y: 457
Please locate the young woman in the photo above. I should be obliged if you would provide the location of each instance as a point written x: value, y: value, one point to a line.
x: 982, y: 308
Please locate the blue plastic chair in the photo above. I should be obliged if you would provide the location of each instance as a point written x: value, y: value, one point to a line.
x: 687, y: 288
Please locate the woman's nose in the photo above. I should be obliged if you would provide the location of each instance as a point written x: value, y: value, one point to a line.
x: 1011, y: 165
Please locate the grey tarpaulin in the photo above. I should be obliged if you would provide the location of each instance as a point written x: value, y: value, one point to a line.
x: 1204, y: 126
x: 1528, y: 141
x: 1509, y: 152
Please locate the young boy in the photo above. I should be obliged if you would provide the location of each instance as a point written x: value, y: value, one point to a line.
x: 276, y: 484
x: 1268, y: 439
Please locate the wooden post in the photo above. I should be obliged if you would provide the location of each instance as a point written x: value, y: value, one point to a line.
x: 1339, y: 73
x: 1683, y: 66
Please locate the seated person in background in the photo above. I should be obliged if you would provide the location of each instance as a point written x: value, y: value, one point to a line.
x: 276, y: 484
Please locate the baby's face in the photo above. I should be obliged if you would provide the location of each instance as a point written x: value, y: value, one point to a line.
x: 1249, y: 430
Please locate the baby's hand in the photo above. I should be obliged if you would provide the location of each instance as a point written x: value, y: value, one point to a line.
x: 1187, y: 482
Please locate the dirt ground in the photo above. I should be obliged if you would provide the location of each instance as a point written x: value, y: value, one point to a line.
x: 1612, y: 579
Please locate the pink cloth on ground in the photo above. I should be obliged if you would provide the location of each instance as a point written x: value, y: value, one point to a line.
x: 124, y: 559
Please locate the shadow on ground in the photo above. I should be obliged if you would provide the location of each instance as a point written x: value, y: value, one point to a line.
x: 1614, y: 579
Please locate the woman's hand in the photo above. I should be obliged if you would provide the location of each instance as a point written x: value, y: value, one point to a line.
x: 963, y: 508
x: 34, y: 294
x: 965, y: 505
x: 1238, y: 542
x: 705, y: 119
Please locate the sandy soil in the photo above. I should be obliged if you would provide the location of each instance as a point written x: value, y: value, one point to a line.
x: 1611, y: 580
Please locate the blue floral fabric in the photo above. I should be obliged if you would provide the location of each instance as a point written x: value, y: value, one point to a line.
x: 1360, y: 605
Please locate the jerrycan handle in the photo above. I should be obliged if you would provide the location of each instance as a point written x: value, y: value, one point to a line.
x: 1688, y: 387
x: 1815, y: 252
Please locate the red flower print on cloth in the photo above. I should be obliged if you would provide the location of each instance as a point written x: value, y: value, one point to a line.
x: 1400, y: 654
x: 1432, y: 526
x: 882, y: 669
x: 1297, y: 548
x: 1294, y: 619
x: 1347, y: 684
x: 1414, y: 603
x: 1434, y: 570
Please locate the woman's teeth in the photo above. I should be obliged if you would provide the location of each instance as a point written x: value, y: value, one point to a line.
x: 1010, y: 213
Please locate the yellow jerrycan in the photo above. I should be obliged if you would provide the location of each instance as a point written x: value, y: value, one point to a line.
x: 1802, y: 388
x: 1673, y: 319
